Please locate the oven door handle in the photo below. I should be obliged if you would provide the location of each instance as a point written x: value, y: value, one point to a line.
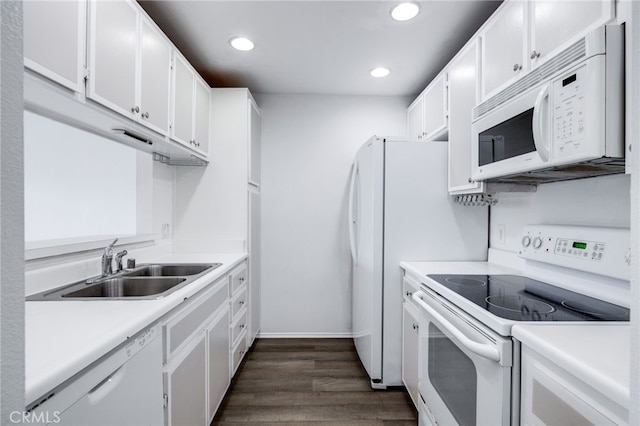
x: 484, y: 350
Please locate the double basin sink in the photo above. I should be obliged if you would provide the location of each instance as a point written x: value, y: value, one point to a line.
x: 149, y: 281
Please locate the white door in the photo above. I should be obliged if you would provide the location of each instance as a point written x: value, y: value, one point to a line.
x: 155, y: 78
x: 201, y: 118
x: 183, y: 78
x: 366, y: 226
x: 217, y: 362
x: 112, y: 55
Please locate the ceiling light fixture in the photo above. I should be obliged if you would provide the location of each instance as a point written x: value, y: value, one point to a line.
x: 241, y: 43
x: 405, y: 11
x: 380, y: 72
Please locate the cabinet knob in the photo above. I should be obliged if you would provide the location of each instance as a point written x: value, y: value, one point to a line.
x: 135, y: 109
x: 408, y: 294
x: 469, y: 180
x: 415, y: 326
x: 517, y: 67
x: 241, y: 302
x: 534, y: 55
x: 241, y: 326
x: 145, y: 115
x: 241, y: 279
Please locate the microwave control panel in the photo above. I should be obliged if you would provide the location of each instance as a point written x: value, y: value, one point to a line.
x: 568, y: 103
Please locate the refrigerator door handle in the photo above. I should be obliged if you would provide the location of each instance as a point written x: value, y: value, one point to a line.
x: 352, y: 213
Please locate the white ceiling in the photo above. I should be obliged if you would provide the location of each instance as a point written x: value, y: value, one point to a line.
x: 319, y: 47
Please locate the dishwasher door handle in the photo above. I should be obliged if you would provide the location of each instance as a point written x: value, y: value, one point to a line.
x: 484, y: 350
x: 106, y: 386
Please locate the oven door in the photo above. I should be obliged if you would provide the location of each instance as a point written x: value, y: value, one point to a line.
x: 465, y: 368
x: 513, y: 138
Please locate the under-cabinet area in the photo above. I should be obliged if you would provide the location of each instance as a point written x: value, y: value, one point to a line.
x: 424, y: 219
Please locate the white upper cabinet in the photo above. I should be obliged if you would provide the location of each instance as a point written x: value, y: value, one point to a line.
x: 255, y: 123
x: 504, y: 49
x: 554, y: 23
x: 463, y: 72
x: 155, y: 78
x: 54, y: 40
x: 435, y: 108
x: 415, y: 112
x: 129, y: 63
x: 521, y: 36
x: 427, y: 116
x: 191, y: 98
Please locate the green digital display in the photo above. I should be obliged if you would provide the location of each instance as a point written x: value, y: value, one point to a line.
x: 580, y: 246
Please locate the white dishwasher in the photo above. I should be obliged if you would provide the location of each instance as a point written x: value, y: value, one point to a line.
x: 124, y: 389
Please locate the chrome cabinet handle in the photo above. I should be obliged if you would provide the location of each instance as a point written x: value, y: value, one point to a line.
x: 415, y: 326
x: 517, y: 67
x: 534, y: 55
x: 241, y: 326
x: 135, y: 109
x: 408, y: 294
x: 145, y: 115
x: 241, y: 302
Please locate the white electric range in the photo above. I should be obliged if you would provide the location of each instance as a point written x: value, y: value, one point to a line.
x: 469, y: 364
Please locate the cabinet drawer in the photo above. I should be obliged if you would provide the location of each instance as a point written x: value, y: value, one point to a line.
x: 179, y: 328
x: 238, y: 278
x: 238, y: 354
x: 238, y: 326
x: 239, y: 301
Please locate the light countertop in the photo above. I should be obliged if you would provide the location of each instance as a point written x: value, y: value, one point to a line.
x: 599, y: 355
x: 65, y: 337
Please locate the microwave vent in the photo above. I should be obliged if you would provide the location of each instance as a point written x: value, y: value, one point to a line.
x: 573, y: 53
x: 587, y: 169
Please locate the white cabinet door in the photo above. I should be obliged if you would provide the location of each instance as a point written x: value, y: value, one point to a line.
x: 155, y: 78
x: 183, y: 80
x: 254, y: 264
x: 462, y: 99
x: 554, y: 23
x: 185, y: 384
x: 54, y: 40
x: 113, y: 48
x: 435, y: 121
x: 503, y: 47
x: 218, y: 358
x: 415, y: 114
x: 410, y: 351
x: 201, y: 123
x: 255, y: 142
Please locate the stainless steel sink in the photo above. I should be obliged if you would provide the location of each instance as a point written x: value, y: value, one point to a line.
x: 147, y: 281
x: 166, y: 270
x: 127, y: 287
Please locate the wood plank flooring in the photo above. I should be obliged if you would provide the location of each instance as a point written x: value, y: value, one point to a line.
x: 314, y: 382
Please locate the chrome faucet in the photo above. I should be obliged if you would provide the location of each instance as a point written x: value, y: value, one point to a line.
x: 107, y: 258
x: 119, y: 257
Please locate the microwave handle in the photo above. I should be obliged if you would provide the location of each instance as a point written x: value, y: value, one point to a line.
x: 540, y: 135
x: 484, y: 350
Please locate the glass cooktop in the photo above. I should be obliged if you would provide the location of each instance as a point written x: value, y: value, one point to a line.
x: 520, y: 298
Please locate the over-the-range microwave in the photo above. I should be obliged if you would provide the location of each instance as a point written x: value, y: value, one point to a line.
x: 563, y: 120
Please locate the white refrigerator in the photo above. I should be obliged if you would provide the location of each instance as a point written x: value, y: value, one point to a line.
x: 400, y: 210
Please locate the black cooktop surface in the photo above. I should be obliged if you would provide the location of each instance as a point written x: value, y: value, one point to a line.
x: 519, y: 298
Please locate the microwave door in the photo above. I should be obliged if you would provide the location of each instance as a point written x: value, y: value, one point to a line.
x: 505, y: 141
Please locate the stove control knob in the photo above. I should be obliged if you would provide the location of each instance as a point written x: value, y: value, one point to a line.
x: 526, y: 240
x: 537, y: 242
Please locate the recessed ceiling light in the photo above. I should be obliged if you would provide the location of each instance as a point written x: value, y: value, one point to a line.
x: 241, y: 43
x: 379, y: 72
x: 405, y: 11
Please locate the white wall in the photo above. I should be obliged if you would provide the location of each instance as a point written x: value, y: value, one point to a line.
x: 308, y: 144
x: 11, y: 213
x: 601, y: 201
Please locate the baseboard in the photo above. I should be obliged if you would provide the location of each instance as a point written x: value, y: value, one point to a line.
x: 297, y: 335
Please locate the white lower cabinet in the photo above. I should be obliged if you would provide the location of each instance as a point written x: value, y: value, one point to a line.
x: 218, y: 362
x: 410, y: 340
x: 185, y: 384
x: 196, y: 370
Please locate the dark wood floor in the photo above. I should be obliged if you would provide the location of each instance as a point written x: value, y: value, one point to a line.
x: 309, y: 381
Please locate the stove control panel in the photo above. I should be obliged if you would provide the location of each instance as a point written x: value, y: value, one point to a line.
x: 587, y: 250
x: 597, y: 250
